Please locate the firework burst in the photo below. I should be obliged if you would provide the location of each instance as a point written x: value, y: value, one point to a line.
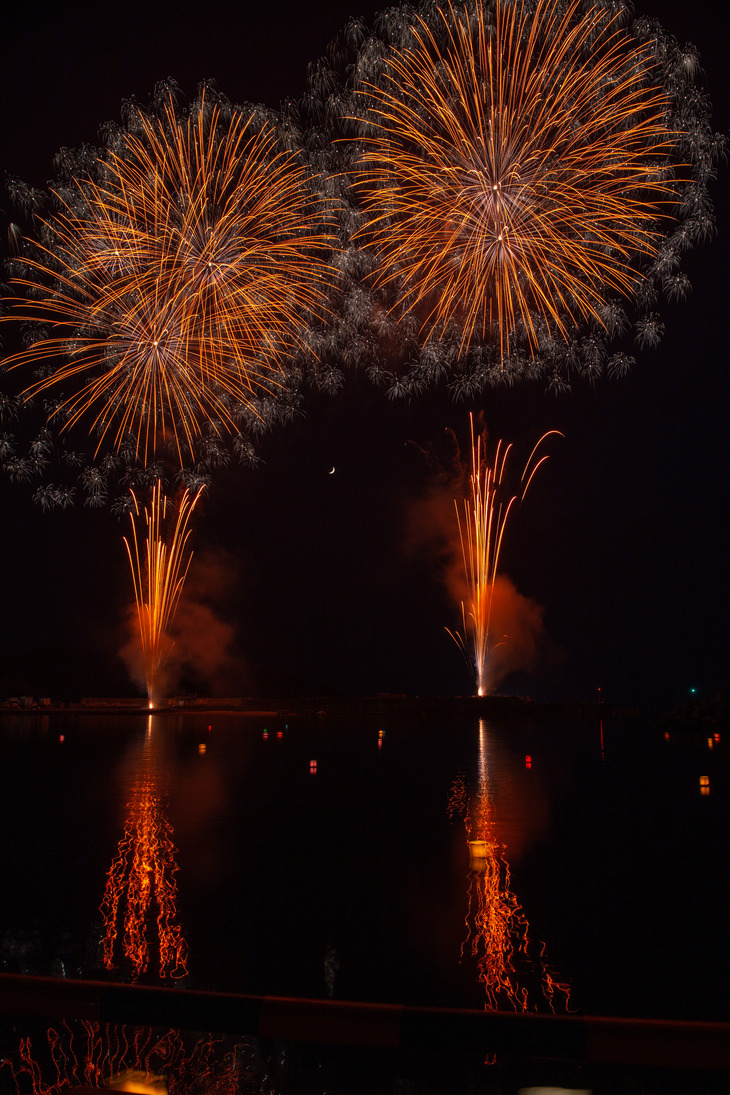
x: 524, y: 171
x: 176, y: 278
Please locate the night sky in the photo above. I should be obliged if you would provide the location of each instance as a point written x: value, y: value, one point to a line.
x: 315, y: 582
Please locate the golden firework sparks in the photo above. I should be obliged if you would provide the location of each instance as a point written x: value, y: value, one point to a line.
x: 159, y: 569
x: 173, y: 288
x: 482, y: 520
x: 516, y: 169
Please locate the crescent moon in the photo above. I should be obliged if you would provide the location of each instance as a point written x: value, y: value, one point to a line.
x: 332, y: 472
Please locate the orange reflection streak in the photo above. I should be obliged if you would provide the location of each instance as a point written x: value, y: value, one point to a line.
x: 141, y: 883
x: 481, y: 532
x: 497, y: 930
x: 96, y: 1055
x: 158, y: 574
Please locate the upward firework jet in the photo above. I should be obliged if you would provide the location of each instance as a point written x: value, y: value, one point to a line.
x: 482, y: 520
x: 176, y: 278
x: 159, y: 567
x: 525, y: 170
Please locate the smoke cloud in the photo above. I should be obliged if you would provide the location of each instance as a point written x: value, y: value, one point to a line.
x: 518, y: 632
x: 204, y: 655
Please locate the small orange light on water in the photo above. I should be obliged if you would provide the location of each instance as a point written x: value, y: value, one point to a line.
x: 265, y: 735
x: 716, y: 737
x: 704, y: 785
x: 202, y: 748
x: 666, y: 735
x: 528, y: 761
x: 61, y: 737
x: 710, y: 743
x: 280, y: 733
x: 313, y: 767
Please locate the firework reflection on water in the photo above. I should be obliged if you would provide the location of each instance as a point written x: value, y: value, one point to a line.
x: 139, y: 907
x: 511, y: 967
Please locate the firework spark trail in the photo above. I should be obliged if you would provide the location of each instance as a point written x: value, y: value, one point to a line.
x: 516, y: 168
x: 497, y: 930
x: 158, y: 574
x: 107, y: 1055
x: 173, y: 289
x: 141, y: 879
x: 482, y: 521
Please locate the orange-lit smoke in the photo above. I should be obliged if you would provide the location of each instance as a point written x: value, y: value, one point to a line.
x: 202, y: 647
x: 518, y: 630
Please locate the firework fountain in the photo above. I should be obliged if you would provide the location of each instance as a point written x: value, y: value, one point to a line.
x: 159, y: 569
x: 482, y: 521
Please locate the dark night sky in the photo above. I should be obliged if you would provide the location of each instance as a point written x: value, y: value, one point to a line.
x: 623, y: 540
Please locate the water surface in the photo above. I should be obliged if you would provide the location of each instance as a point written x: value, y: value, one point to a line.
x: 326, y: 855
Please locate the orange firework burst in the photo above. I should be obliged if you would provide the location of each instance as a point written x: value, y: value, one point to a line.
x: 482, y: 526
x: 177, y: 277
x: 517, y: 169
x: 158, y: 574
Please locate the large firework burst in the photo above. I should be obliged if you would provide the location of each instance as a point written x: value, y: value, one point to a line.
x: 176, y: 277
x: 523, y: 170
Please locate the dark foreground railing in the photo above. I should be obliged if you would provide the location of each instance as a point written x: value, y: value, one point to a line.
x: 590, y: 1039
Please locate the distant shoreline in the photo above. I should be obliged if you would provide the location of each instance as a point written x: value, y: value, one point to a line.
x: 319, y: 705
